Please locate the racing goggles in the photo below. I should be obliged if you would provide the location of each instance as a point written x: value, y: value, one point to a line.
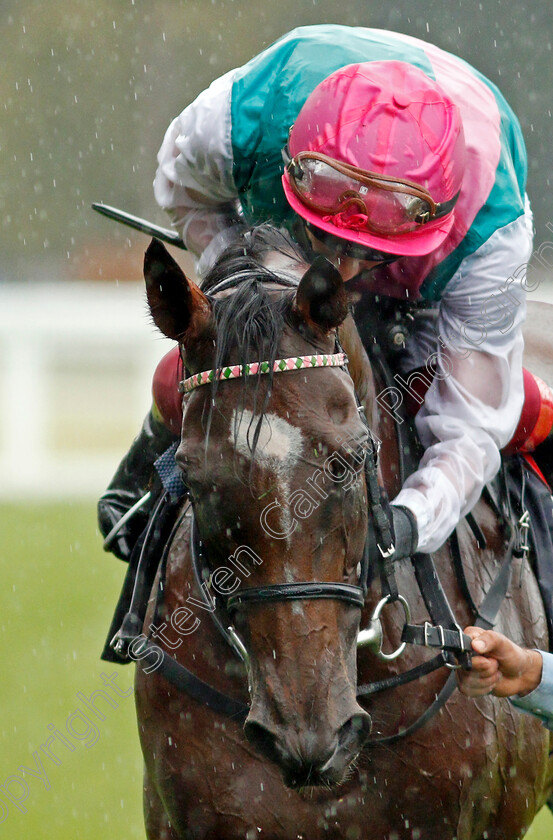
x: 357, y: 199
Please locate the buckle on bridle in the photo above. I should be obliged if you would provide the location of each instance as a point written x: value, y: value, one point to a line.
x: 427, y: 627
x: 439, y: 628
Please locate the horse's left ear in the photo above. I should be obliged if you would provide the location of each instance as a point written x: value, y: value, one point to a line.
x: 321, y: 298
x: 179, y: 308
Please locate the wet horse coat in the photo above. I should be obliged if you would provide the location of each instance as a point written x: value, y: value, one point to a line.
x: 476, y: 766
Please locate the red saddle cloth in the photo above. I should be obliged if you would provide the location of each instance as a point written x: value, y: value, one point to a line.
x: 165, y: 393
x: 534, y: 426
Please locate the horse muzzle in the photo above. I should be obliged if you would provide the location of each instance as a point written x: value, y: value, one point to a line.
x: 309, y: 757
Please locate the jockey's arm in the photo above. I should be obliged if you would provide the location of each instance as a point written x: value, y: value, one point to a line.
x: 473, y: 410
x: 474, y: 403
x: 194, y: 179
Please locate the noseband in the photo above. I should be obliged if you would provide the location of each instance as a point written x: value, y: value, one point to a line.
x: 347, y: 592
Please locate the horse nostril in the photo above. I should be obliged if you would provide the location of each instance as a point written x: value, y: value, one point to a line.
x: 349, y: 742
x: 355, y: 732
x: 306, y: 759
x: 263, y: 740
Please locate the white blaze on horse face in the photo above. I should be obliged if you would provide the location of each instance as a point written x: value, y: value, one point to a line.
x: 278, y: 450
x: 279, y: 444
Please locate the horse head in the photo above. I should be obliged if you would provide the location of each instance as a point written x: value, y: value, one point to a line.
x: 274, y: 465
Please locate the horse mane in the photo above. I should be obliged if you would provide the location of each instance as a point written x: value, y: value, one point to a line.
x: 250, y: 322
x: 247, y: 254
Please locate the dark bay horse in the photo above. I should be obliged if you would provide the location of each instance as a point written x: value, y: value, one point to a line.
x: 280, y: 500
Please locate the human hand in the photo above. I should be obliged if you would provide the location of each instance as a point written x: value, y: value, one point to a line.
x: 499, y: 666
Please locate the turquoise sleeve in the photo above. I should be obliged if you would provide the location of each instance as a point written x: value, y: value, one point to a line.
x: 540, y: 701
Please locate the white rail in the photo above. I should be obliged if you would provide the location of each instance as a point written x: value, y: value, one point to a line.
x: 76, y: 363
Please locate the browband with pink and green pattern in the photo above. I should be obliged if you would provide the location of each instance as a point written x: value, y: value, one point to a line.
x: 278, y: 366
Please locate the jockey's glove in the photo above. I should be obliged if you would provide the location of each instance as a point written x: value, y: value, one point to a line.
x: 405, y: 532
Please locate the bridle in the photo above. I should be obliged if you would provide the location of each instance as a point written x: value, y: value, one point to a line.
x: 378, y: 543
x: 448, y: 638
x: 241, y: 599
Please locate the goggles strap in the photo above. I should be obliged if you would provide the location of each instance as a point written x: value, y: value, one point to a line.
x: 444, y: 207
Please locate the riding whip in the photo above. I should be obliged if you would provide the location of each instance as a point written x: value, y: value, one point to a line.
x: 166, y: 235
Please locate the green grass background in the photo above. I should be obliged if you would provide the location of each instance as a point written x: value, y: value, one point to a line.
x: 57, y: 596
x: 56, y: 599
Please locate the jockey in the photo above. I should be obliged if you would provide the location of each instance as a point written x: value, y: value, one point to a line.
x: 405, y: 167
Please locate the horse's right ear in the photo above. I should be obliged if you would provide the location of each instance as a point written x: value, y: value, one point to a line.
x: 179, y: 307
x: 321, y: 298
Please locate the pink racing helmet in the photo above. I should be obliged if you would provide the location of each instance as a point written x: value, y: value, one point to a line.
x: 376, y: 157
